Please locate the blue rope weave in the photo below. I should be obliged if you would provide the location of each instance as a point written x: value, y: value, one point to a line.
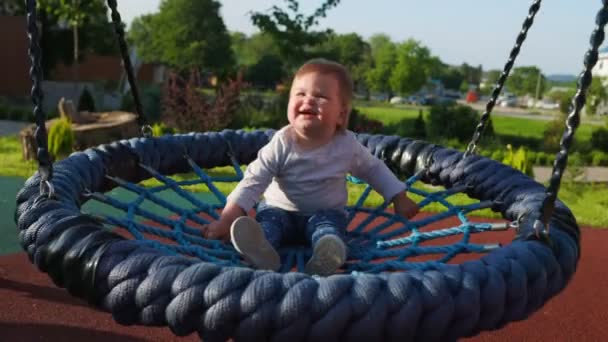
x: 373, y: 247
x: 144, y: 282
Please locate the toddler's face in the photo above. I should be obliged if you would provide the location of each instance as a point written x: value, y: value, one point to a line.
x: 315, y: 106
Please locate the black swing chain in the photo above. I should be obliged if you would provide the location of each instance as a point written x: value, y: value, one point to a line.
x: 573, y: 119
x: 128, y: 66
x: 45, y: 164
x: 485, y: 117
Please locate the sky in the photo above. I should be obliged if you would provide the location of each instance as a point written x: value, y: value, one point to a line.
x: 477, y: 32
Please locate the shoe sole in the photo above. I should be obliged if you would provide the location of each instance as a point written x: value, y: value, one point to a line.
x: 329, y: 254
x: 248, y: 239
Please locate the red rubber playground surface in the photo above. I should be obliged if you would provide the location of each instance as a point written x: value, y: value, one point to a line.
x: 34, y: 309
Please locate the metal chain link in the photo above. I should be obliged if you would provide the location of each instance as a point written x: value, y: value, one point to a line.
x: 573, y: 119
x: 128, y: 66
x: 45, y: 165
x: 485, y: 117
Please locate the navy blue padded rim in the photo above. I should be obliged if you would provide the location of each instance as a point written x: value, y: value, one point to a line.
x: 139, y: 285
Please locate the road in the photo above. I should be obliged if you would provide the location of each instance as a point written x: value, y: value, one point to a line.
x: 524, y: 113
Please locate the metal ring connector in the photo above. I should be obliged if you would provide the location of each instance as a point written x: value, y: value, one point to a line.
x: 146, y: 131
x: 46, y: 187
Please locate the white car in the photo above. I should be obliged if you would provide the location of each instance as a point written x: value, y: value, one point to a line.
x: 547, y: 104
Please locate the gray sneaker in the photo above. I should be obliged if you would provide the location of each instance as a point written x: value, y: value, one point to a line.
x: 328, y: 255
x: 248, y: 239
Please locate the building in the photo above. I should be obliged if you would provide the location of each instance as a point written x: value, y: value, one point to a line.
x: 14, y: 61
x: 601, y: 67
x: 92, y: 70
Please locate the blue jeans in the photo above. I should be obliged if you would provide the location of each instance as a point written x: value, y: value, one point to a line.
x: 289, y: 227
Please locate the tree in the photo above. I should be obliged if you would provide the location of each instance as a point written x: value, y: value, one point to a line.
x: 292, y: 31
x: 491, y: 78
x: 250, y: 50
x: 74, y: 13
x: 595, y: 95
x: 266, y: 73
x: 384, y: 56
x: 350, y: 50
x: 524, y: 81
x: 413, y: 67
x: 451, y: 77
x: 471, y: 74
x: 185, y: 34
x: 95, y: 31
x: 259, y: 58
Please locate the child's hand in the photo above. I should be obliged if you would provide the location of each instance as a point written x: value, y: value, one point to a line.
x: 220, y: 229
x: 404, y: 206
x: 216, y: 230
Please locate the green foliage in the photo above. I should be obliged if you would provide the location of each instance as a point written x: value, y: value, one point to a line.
x: 492, y: 77
x: 61, y: 138
x: 599, y: 158
x: 524, y: 80
x: 564, y: 98
x: 384, y: 53
x: 450, y: 76
x: 159, y: 129
x: 256, y: 112
x: 291, y: 29
x: 86, y: 101
x: 266, y: 73
x: 595, y: 95
x: 498, y: 155
x: 451, y: 121
x: 541, y: 159
x: 518, y: 160
x: 553, y: 134
x: 412, y: 69
x: 185, y: 34
x: 94, y: 29
x: 351, y: 51
x: 599, y: 139
x: 16, y: 113
x: 249, y: 50
x: 362, y: 124
x: 419, y: 129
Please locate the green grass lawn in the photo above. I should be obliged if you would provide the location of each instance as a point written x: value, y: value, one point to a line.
x: 502, y: 125
x: 11, y: 163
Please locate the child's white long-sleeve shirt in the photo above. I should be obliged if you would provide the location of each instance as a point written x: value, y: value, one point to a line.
x: 308, y: 181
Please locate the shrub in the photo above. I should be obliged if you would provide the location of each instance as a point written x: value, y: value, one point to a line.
x: 151, y: 101
x: 159, y: 129
x: 61, y: 138
x: 553, y: 134
x: 186, y: 108
x: 255, y: 112
x: 599, y: 139
x: 541, y: 159
x: 86, y: 101
x: 451, y: 121
x: 518, y: 160
x: 599, y: 158
x: 532, y: 157
x: 361, y: 124
x: 419, y: 128
x: 575, y: 166
x: 498, y: 155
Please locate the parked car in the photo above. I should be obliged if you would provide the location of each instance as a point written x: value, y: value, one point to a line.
x: 507, y: 101
x: 547, y: 104
x: 398, y: 100
x: 416, y: 100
